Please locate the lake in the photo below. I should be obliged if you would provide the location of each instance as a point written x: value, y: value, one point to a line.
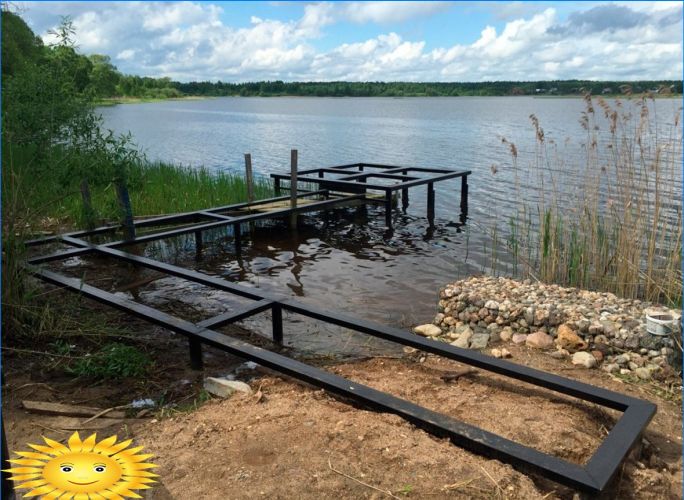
x: 349, y: 261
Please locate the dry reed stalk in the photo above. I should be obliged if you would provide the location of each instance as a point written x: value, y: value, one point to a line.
x: 620, y: 228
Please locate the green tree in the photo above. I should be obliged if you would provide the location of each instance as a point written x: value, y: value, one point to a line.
x: 20, y: 47
x: 104, y: 76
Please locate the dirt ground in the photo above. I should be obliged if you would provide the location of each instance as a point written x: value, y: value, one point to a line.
x: 296, y: 441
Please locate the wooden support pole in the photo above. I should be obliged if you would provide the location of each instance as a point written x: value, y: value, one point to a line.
x: 196, y: 362
x: 276, y: 186
x: 388, y: 207
x: 464, y: 195
x: 249, y: 180
x: 88, y: 211
x: 277, y: 321
x: 198, y: 245
x: 293, y: 187
x: 431, y: 203
x: 126, y: 209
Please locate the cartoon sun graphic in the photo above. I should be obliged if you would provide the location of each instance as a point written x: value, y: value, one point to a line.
x: 83, y: 470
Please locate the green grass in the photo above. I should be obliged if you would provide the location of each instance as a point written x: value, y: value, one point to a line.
x: 112, y: 361
x: 48, y: 193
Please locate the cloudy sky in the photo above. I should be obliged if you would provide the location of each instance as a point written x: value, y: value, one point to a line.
x: 410, y: 41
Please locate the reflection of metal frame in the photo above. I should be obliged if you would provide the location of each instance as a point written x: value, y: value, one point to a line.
x: 594, y: 477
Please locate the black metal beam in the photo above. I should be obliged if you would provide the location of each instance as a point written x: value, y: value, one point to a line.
x: 539, y: 378
x: 465, y: 435
x: 341, y: 184
x: 237, y: 315
x: 171, y: 219
x: 311, y: 207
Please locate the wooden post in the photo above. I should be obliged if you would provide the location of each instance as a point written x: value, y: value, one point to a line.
x: 293, y: 187
x: 126, y: 210
x: 431, y: 203
x: 248, y: 177
x: 88, y: 211
x: 464, y: 195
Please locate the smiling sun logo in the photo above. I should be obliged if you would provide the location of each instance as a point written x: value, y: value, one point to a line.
x: 83, y: 470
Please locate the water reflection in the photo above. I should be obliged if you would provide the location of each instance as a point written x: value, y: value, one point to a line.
x: 343, y: 259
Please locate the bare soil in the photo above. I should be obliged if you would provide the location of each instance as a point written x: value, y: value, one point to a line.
x: 295, y: 441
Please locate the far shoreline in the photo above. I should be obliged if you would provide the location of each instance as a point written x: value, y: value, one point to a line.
x: 113, y: 101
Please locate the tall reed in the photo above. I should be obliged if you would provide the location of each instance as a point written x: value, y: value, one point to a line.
x: 613, y: 220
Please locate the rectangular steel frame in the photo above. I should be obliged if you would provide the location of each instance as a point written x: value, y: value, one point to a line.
x: 351, y: 182
x: 593, y: 478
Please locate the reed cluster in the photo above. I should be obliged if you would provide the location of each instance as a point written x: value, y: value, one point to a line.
x: 612, y: 219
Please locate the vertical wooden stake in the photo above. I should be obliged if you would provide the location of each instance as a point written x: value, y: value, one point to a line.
x: 293, y: 187
x: 126, y: 209
x: 88, y: 211
x: 248, y: 177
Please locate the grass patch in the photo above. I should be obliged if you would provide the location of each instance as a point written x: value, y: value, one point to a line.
x: 49, y: 193
x: 112, y: 361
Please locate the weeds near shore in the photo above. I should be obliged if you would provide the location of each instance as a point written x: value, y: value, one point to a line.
x: 611, y: 221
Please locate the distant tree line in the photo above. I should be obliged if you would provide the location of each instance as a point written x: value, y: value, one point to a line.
x: 414, y: 89
x: 95, y: 77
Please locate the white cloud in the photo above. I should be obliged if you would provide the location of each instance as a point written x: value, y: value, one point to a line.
x: 126, y: 55
x: 389, y: 12
x: 191, y: 41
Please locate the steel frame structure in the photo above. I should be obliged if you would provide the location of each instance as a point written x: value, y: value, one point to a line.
x: 357, y: 182
x: 593, y: 478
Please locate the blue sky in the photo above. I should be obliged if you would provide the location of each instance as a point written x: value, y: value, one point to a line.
x: 436, y: 41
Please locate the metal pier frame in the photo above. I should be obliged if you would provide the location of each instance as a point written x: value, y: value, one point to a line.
x: 353, y: 178
x: 594, y: 477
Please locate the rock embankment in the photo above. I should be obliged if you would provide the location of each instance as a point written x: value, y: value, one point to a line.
x: 590, y: 329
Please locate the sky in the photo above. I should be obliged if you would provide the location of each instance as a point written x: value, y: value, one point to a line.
x: 375, y: 41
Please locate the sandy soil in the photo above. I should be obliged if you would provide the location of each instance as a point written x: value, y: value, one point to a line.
x: 299, y: 442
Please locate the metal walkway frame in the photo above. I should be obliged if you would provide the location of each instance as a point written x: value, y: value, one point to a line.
x: 593, y: 478
x: 357, y: 182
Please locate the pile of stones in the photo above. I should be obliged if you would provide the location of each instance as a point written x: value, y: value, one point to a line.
x: 592, y: 329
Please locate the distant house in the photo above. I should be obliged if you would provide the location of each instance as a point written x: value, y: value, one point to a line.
x: 539, y: 91
x: 607, y: 90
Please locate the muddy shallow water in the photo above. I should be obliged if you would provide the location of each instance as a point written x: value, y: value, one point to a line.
x: 342, y: 260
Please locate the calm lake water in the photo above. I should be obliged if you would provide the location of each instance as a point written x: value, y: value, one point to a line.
x: 349, y: 261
